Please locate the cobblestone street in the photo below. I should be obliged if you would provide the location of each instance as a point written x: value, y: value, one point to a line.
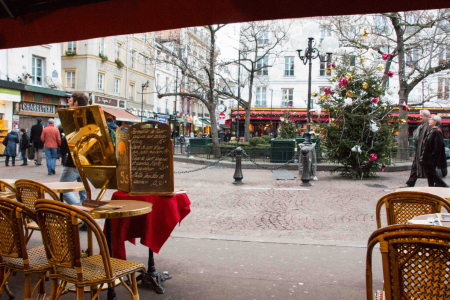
x: 334, y: 211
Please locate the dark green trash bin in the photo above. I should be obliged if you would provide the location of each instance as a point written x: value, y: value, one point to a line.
x: 282, y: 151
x: 447, y: 143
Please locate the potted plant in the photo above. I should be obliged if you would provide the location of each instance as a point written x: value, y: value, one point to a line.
x: 119, y: 63
x: 71, y: 53
x: 103, y: 57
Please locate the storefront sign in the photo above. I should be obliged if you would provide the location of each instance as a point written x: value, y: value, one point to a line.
x: 163, y: 118
x: 9, y: 95
x: 105, y: 101
x: 35, y: 107
x: 122, y: 104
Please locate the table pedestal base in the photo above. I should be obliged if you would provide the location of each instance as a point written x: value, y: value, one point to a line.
x: 152, y: 276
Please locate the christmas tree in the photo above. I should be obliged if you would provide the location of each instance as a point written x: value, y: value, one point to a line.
x: 288, y: 130
x: 360, y: 132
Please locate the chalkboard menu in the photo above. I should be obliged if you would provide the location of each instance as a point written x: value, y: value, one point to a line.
x: 146, y: 161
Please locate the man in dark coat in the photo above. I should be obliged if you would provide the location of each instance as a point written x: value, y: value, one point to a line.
x: 418, y: 136
x: 433, y: 154
x: 35, y: 140
x: 10, y: 142
x: 24, y: 145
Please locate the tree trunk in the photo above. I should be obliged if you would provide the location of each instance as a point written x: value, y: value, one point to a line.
x: 248, y: 109
x: 402, y: 152
x: 214, y: 131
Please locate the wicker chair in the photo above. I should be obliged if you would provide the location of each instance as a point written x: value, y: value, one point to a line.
x: 59, y: 223
x: 14, y: 255
x: 415, y: 261
x: 28, y: 191
x: 4, y: 187
x: 403, y: 206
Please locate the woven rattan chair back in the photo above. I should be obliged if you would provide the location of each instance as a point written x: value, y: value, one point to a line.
x: 59, y: 227
x: 28, y: 191
x: 404, y: 206
x: 12, y: 237
x: 415, y: 259
x: 5, y: 187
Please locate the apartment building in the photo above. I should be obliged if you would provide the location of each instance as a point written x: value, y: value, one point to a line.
x: 116, y: 72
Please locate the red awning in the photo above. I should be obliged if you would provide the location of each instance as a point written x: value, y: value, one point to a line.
x: 409, y: 115
x: 121, y: 115
x: 32, y: 22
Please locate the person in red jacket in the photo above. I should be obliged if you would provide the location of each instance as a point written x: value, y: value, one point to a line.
x: 52, y: 141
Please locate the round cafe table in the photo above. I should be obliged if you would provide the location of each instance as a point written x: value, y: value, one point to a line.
x: 425, y: 218
x: 130, y: 208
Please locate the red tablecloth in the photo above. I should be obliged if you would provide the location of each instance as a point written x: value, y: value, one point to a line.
x: 154, y: 228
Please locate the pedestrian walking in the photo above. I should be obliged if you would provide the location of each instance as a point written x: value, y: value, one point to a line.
x: 419, y: 134
x: 24, y: 145
x: 433, y: 154
x: 52, y: 141
x: 64, y: 149
x: 35, y: 141
x: 10, y: 142
x: 70, y: 172
x: 112, y: 130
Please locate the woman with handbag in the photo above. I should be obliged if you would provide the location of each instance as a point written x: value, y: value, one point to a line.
x: 10, y: 142
x: 24, y: 145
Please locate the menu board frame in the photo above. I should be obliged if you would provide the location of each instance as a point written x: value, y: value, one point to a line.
x: 139, y: 141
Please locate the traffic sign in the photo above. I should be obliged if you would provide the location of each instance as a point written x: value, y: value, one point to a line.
x: 221, y: 116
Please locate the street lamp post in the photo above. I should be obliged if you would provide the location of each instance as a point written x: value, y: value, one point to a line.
x: 305, y: 42
x: 144, y: 86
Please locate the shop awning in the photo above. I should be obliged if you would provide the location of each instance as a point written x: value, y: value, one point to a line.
x: 32, y: 22
x: 41, y: 90
x: 206, y: 122
x: 121, y: 115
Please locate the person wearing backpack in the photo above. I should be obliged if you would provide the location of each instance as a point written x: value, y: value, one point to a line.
x: 10, y: 142
x: 24, y: 145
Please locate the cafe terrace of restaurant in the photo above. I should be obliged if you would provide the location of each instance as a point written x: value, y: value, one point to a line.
x: 272, y: 120
x: 414, y: 242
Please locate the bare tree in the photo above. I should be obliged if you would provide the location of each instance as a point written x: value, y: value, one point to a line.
x: 260, y: 44
x: 198, y: 65
x: 412, y: 44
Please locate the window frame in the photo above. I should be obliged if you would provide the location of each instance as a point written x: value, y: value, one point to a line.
x: 103, y: 82
x: 117, y: 93
x: 289, y: 66
x: 102, y: 44
x: 117, y: 52
x: 65, y: 71
x: 261, y: 96
x: 71, y: 43
x: 263, y: 64
x: 34, y: 60
x: 132, y: 83
x: 285, y: 101
x: 323, y: 67
x: 133, y: 59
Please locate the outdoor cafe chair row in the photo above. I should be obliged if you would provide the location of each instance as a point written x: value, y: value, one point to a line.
x: 61, y: 252
x: 415, y: 258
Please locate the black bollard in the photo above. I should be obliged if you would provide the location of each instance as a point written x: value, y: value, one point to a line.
x: 306, y: 178
x: 238, y: 172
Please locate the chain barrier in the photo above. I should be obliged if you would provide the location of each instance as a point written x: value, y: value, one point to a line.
x: 270, y: 168
x: 207, y: 166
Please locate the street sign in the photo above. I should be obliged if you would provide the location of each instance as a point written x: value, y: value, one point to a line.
x: 221, y: 121
x: 221, y: 116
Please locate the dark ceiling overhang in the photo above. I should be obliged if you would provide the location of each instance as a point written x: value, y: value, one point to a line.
x: 51, y: 21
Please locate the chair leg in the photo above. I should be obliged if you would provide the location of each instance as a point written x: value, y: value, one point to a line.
x: 94, y: 292
x: 41, y: 288
x: 80, y: 293
x: 134, y: 287
x: 54, y: 291
x: 8, y: 291
x: 27, y: 292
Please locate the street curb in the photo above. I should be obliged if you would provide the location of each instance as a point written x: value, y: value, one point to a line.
x: 270, y: 240
x: 249, y: 165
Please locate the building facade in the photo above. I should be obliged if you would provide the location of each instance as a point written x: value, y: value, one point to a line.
x: 116, y: 72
